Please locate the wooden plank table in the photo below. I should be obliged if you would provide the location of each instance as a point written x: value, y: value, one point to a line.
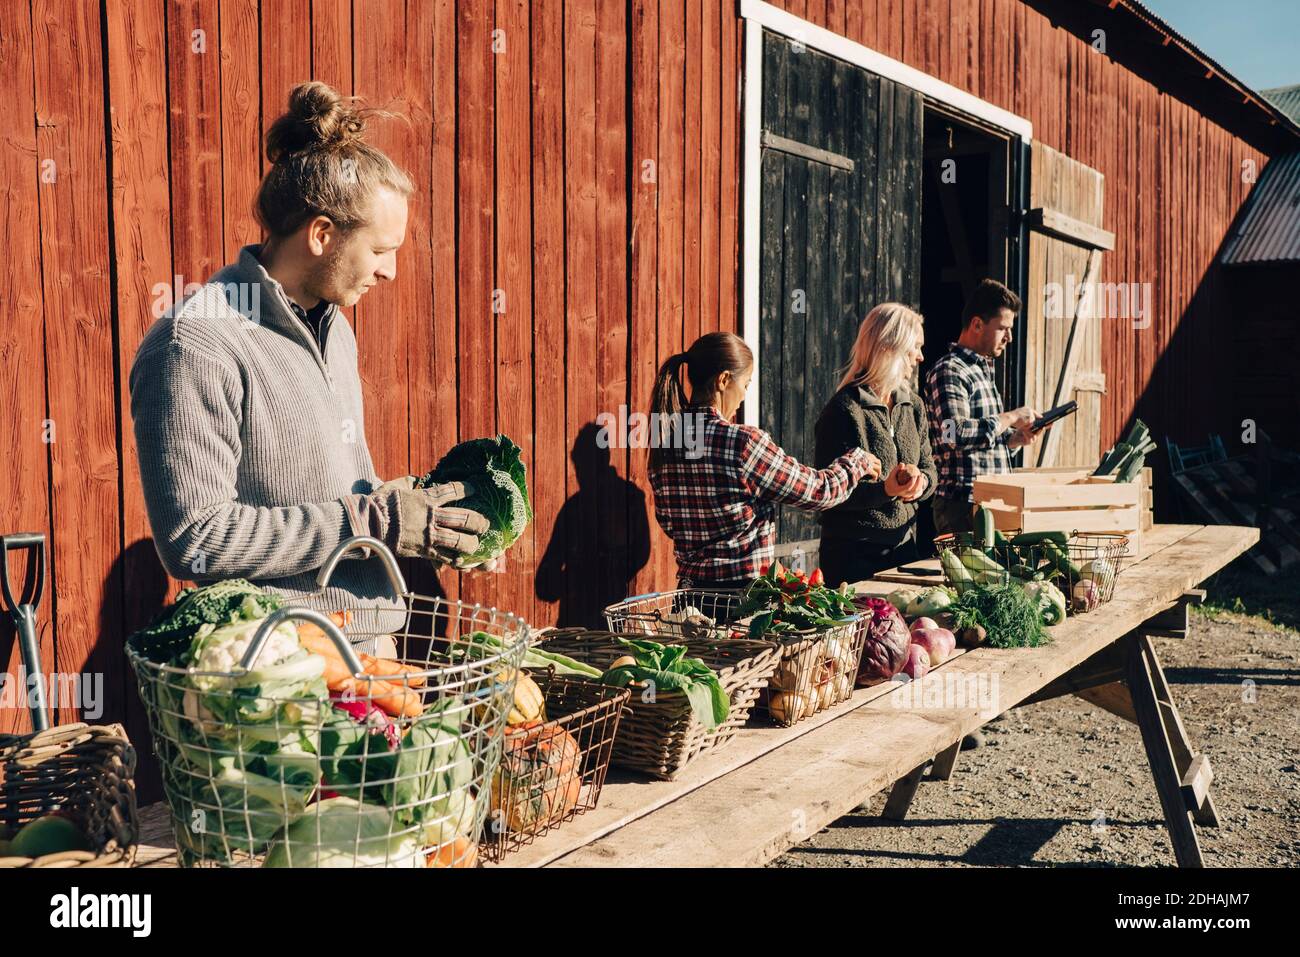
x: 771, y: 788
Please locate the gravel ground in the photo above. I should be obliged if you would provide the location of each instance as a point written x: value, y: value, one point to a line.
x: 1061, y: 783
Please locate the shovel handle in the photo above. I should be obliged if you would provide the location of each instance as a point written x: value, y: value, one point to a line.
x: 34, y: 587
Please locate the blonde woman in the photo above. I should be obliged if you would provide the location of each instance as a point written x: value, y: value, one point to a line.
x: 876, y: 409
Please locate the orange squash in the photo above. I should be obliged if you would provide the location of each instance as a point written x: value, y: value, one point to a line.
x: 461, y: 852
x: 538, y: 780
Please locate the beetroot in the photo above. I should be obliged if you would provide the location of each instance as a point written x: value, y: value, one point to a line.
x: 885, y: 650
x: 366, y: 713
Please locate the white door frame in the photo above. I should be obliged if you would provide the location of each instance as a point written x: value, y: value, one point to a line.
x: 760, y: 16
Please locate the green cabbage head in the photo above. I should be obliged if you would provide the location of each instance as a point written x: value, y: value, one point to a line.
x: 495, y: 470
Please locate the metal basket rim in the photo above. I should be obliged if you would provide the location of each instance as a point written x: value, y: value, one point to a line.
x: 160, y: 668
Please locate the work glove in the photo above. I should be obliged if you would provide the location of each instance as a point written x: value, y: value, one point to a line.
x: 419, y: 522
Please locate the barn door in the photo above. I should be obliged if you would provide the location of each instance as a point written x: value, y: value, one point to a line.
x: 1063, y: 341
x: 840, y: 232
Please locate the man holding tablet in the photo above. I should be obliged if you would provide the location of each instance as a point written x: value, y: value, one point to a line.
x: 970, y: 433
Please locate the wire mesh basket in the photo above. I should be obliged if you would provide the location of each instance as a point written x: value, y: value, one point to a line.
x: 552, y: 768
x: 304, y: 754
x: 1085, y: 569
x: 680, y: 613
x: 816, y: 670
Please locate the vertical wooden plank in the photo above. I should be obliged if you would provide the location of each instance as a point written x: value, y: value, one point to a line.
x: 619, y: 532
x: 669, y: 264
x: 241, y: 125
x: 286, y: 51
x: 331, y: 43
x: 475, y: 224
x: 434, y: 366
x: 391, y: 71
x: 867, y: 192
x: 773, y: 237
x: 514, y: 275
x: 691, y: 146
x: 331, y: 62
x: 194, y: 136
x: 580, y: 268
x: 142, y: 256
x: 729, y: 255
x: 75, y: 260
x: 644, y: 52
x: 889, y: 239
x: 710, y: 165
x: 837, y: 17
x: 24, y: 482
x: 548, y: 289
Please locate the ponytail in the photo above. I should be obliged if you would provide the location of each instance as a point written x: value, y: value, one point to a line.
x: 707, y: 358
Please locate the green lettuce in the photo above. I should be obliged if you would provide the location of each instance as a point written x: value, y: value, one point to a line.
x: 495, y: 470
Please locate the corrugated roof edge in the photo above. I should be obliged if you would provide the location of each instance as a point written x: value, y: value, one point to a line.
x: 1286, y: 99
x: 1280, y: 117
x: 1268, y: 230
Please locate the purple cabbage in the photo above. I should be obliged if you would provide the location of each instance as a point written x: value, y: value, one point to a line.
x: 885, y: 650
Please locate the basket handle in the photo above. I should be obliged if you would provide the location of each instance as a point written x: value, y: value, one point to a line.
x: 321, y: 621
x: 369, y: 546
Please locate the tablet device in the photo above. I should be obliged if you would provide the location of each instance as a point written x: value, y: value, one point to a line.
x: 1051, y: 415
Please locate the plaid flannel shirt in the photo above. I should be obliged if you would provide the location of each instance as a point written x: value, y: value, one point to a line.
x: 964, y: 404
x: 720, y: 507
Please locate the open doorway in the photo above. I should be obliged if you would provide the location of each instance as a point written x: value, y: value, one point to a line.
x: 965, y: 234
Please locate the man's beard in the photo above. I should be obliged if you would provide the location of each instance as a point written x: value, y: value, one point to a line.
x: 325, y: 281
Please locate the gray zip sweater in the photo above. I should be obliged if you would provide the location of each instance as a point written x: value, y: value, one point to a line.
x: 252, y: 442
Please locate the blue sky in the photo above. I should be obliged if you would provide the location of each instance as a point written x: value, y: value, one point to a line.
x: 1258, y: 41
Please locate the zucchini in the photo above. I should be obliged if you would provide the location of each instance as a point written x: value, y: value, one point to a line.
x: 984, y: 569
x: 1025, y: 573
x: 953, y: 568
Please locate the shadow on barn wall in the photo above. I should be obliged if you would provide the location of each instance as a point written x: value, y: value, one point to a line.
x: 1232, y: 358
x: 600, y: 541
x: 138, y: 576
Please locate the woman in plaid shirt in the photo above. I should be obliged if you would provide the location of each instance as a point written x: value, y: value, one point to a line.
x: 717, y: 484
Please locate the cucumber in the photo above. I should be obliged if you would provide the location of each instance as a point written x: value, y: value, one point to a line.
x: 1060, y: 560
x: 1037, y: 538
x: 1025, y: 573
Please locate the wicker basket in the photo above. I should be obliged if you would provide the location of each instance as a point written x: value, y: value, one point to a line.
x: 1083, y: 551
x: 553, y: 770
x: 662, y: 736
x: 85, y: 771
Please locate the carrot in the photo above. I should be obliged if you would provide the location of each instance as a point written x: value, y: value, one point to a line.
x: 319, y: 643
x: 387, y: 667
x: 392, y: 699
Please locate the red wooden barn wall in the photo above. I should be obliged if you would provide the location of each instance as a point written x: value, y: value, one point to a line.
x: 583, y: 161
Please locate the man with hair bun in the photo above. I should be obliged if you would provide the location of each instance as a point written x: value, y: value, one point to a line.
x: 246, y: 398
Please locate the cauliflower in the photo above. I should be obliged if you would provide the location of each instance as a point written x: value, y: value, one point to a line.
x: 283, y: 672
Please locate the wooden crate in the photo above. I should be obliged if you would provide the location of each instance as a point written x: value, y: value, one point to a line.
x: 1068, y: 500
